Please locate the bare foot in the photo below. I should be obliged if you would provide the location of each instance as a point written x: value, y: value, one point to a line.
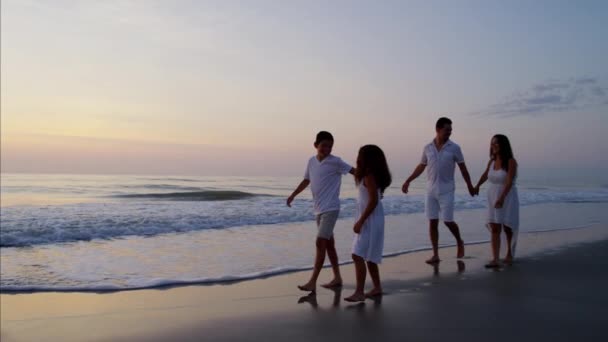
x: 434, y: 260
x: 375, y: 292
x: 460, y: 253
x: 508, y: 260
x: 356, y: 297
x: 333, y: 284
x: 308, y: 287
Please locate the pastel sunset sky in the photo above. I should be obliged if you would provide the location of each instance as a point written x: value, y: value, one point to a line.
x: 242, y: 87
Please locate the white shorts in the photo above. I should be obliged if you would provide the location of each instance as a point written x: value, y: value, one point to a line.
x: 440, y: 207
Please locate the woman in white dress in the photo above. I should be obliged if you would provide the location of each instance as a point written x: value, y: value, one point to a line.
x: 372, y: 177
x: 503, y: 201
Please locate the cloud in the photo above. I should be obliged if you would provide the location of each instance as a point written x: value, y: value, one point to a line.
x: 551, y: 97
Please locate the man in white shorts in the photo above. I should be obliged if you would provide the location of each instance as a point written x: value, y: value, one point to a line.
x: 441, y: 157
x: 324, y: 174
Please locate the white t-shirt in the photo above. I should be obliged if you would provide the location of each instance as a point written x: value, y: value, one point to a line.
x: 440, y: 166
x: 325, y: 179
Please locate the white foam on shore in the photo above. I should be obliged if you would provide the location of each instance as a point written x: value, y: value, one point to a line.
x: 239, y: 254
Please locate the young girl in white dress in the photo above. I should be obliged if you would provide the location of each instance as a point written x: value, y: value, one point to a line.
x: 503, y: 201
x: 372, y: 177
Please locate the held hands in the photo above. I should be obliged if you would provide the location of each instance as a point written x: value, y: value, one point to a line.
x: 476, y: 190
x: 473, y: 191
x: 499, y: 203
x: 358, y: 226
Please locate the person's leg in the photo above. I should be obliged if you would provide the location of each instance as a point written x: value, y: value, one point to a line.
x: 434, y: 234
x: 323, y: 236
x: 496, y: 228
x: 360, y: 271
x: 446, y: 202
x: 455, y: 230
x: 374, y: 273
x: 509, y: 234
x: 431, y: 208
x: 335, y: 265
x: 319, y: 260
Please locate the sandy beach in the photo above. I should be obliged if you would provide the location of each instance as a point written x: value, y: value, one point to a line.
x: 554, y: 291
x: 179, y: 170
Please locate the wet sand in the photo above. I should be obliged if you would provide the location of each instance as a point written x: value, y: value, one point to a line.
x: 555, y: 290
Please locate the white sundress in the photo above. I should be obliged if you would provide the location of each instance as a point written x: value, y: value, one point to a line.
x: 369, y: 243
x: 508, y: 215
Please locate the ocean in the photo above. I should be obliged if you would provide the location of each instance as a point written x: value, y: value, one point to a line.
x: 62, y: 232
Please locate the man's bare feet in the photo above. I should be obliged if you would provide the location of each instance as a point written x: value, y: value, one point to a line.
x: 460, y: 252
x: 508, y: 260
x: 333, y: 284
x: 308, y: 287
x: 375, y: 292
x: 356, y: 297
x: 434, y: 260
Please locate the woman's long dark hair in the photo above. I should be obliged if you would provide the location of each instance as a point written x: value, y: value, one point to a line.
x: 371, y: 161
x: 505, y: 152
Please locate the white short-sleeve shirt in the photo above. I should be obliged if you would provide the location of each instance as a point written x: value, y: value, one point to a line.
x: 325, y: 179
x: 440, y: 166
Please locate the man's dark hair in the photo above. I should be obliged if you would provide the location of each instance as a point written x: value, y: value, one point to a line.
x: 442, y: 122
x: 323, y: 135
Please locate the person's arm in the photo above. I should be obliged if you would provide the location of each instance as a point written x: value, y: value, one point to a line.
x: 467, y: 177
x: 344, y: 167
x: 483, y: 178
x: 459, y: 159
x: 299, y: 189
x: 510, y: 177
x: 417, y: 172
x: 372, y: 190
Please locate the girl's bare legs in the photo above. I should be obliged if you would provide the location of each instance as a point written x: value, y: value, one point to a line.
x: 509, y: 234
x: 374, y: 273
x: 360, y: 271
x: 496, y: 228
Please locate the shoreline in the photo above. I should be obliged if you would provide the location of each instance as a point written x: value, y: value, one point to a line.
x: 278, y: 249
x: 267, y: 274
x: 183, y: 312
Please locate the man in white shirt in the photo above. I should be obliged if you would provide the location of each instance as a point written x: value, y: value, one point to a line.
x: 324, y: 174
x: 441, y: 157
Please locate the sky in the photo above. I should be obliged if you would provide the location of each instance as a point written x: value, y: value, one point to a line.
x: 242, y: 87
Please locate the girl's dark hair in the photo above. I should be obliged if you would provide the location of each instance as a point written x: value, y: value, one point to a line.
x: 371, y: 161
x: 323, y: 135
x: 505, y: 152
